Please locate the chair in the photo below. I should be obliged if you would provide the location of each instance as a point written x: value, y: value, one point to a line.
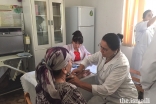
x: 27, y: 98
x: 135, y: 73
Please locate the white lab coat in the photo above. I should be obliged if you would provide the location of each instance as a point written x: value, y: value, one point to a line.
x: 114, y: 79
x: 82, y: 50
x: 148, y: 72
x: 143, y: 37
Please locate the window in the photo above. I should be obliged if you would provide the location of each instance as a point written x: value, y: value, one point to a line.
x: 151, y: 4
x: 133, y: 10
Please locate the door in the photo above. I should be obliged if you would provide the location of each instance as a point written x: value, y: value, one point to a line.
x: 57, y: 22
x: 88, y: 38
x: 85, y: 16
x: 42, y: 25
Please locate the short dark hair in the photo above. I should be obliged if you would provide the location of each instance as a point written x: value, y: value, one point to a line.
x: 145, y: 13
x: 112, y: 40
x: 77, y: 37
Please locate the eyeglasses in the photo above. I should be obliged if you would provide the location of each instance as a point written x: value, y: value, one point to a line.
x: 104, y: 49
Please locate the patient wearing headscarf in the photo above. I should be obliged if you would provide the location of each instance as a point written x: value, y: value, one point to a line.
x: 51, y: 74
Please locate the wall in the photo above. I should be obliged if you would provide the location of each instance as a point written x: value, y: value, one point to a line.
x: 127, y: 51
x: 7, y: 2
x: 69, y: 3
x: 108, y: 17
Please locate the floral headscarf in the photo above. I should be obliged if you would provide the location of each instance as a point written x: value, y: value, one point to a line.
x: 55, y: 59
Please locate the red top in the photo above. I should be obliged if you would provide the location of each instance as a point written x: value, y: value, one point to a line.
x: 77, y: 56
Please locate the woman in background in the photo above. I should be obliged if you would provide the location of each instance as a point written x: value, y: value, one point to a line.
x: 51, y: 74
x: 144, y: 32
x: 76, y: 49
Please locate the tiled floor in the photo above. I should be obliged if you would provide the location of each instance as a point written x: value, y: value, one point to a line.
x: 16, y: 97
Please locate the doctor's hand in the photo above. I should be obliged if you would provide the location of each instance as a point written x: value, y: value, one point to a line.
x: 83, y: 74
x: 76, y: 71
x: 74, y: 80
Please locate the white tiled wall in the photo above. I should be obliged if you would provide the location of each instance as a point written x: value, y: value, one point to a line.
x: 69, y: 3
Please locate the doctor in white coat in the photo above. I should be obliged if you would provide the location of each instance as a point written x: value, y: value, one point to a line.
x: 144, y: 32
x: 76, y: 49
x: 114, y: 79
x: 148, y: 72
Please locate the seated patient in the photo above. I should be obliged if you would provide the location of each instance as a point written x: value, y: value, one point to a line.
x: 51, y: 74
x: 76, y: 49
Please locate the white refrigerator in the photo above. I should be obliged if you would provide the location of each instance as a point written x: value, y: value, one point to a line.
x: 81, y: 18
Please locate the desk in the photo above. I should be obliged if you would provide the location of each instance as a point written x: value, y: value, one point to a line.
x: 29, y: 83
